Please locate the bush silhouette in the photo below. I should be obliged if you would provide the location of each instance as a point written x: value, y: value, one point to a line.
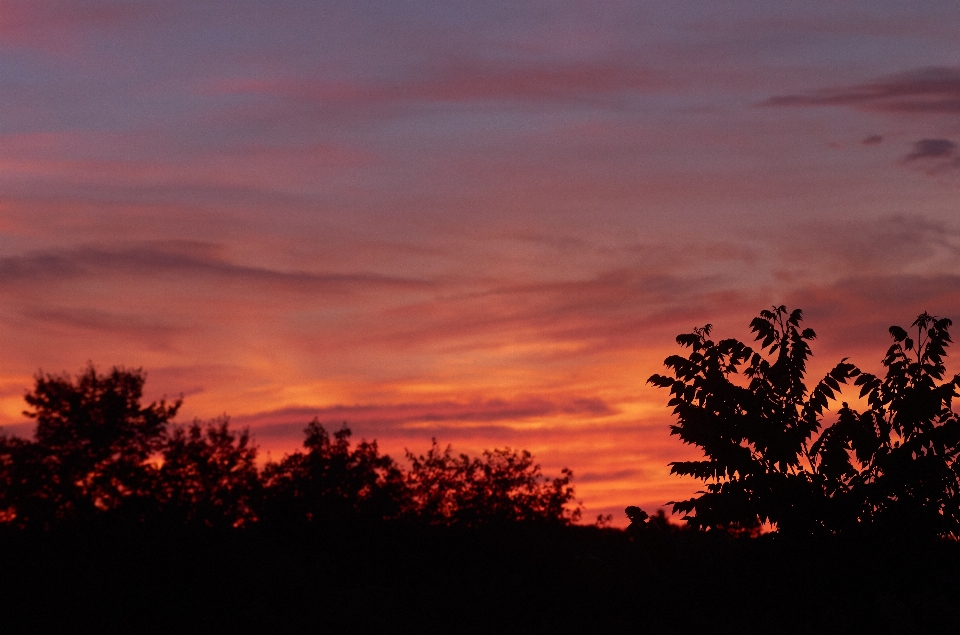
x: 505, y: 486
x: 771, y: 458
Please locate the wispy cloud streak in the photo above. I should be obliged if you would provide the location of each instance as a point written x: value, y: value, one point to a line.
x: 462, y: 81
x: 430, y: 415
x: 181, y: 258
x: 924, y: 90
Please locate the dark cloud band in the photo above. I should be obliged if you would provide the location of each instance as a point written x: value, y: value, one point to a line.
x: 924, y: 90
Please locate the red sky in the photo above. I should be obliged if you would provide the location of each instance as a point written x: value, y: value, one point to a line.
x: 483, y: 223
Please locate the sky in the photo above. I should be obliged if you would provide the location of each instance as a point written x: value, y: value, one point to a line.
x: 480, y: 222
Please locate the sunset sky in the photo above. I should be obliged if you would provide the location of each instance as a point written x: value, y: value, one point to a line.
x: 483, y: 222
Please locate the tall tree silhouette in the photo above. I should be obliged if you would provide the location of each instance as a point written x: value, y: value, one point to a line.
x: 93, y: 442
x: 769, y: 457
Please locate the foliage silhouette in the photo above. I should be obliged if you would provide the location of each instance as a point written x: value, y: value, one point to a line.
x: 771, y: 458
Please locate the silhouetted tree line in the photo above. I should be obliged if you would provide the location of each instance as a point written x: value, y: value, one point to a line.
x: 774, y: 458
x: 884, y: 467
x: 98, y: 453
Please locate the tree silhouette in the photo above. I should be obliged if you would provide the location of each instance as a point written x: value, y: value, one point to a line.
x: 331, y: 481
x: 895, y: 463
x: 769, y: 458
x: 93, y: 442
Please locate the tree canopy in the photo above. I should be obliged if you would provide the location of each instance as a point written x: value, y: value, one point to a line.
x: 773, y: 456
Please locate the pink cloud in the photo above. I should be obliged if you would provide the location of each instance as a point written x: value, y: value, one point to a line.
x: 18, y: 16
x: 134, y: 164
x: 461, y: 81
x: 62, y: 26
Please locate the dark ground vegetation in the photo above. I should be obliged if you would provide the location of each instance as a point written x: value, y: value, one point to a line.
x: 112, y: 518
x: 511, y: 579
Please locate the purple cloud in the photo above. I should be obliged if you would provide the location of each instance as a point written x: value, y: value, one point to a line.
x: 435, y: 414
x: 194, y: 259
x: 932, y: 149
x: 459, y: 81
x: 933, y: 89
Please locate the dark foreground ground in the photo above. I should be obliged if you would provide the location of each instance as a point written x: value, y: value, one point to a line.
x: 513, y: 580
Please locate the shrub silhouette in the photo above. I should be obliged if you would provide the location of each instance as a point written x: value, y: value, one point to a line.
x: 770, y: 457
